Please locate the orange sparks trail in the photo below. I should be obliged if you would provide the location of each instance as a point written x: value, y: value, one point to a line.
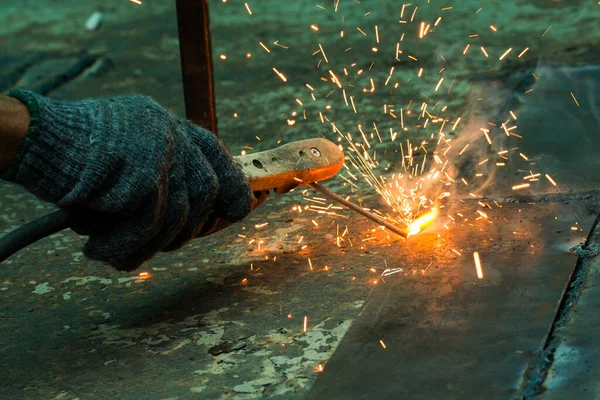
x: 407, y: 150
x: 550, y: 179
x: 478, y: 265
x: 283, y: 78
x: 575, y: 99
x: 521, y: 186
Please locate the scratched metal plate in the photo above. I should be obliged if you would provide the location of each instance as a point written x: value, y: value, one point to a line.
x: 448, y: 334
x: 573, y: 345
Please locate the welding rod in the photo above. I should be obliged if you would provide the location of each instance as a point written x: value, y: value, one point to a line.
x: 358, y: 209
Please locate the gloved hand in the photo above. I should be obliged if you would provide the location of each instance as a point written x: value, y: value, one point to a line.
x: 155, y: 177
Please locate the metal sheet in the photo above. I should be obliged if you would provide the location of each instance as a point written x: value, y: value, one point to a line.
x: 448, y: 334
x: 572, y: 348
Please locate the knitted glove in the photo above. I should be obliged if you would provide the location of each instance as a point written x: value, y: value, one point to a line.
x: 153, y: 177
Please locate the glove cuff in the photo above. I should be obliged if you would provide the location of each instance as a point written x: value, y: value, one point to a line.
x: 52, y: 154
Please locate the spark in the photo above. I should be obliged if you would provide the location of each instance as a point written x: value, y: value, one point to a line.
x: 523, y: 52
x: 505, y: 54
x: 283, y: 78
x: 264, y: 47
x: 382, y: 344
x: 550, y: 179
x: 547, y: 30
x: 456, y: 124
x: 248, y: 8
x: 305, y: 324
x: 521, y: 186
x: 478, y: 265
x: 323, y: 52
x: 575, y: 99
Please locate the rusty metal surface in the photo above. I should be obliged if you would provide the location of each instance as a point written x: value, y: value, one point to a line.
x: 196, y: 62
x: 448, y: 334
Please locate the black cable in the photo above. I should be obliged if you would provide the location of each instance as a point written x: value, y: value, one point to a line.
x: 33, y: 231
x: 84, y: 221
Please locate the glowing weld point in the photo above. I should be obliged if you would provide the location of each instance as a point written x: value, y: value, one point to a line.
x: 422, y: 222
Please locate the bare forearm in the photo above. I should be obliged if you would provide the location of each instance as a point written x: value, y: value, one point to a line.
x: 14, y: 124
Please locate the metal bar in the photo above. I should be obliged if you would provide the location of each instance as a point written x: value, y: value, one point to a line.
x: 196, y: 62
x: 358, y: 209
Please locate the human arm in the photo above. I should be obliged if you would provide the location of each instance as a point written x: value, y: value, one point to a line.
x: 158, y: 178
x: 14, y: 124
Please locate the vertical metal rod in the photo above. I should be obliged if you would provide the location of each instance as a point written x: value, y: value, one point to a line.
x: 196, y: 62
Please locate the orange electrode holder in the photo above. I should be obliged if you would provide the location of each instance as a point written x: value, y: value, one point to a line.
x: 293, y: 164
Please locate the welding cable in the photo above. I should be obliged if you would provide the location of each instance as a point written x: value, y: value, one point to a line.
x: 33, y: 231
x: 80, y: 219
x: 62, y: 219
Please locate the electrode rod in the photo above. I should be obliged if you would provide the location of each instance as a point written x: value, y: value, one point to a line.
x: 358, y: 209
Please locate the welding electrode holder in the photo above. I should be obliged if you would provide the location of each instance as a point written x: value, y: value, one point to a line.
x: 302, y: 163
x: 281, y: 169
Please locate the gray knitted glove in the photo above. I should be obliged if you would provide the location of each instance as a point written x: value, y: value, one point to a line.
x: 157, y: 177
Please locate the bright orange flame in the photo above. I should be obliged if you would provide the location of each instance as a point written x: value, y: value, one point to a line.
x: 422, y: 221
